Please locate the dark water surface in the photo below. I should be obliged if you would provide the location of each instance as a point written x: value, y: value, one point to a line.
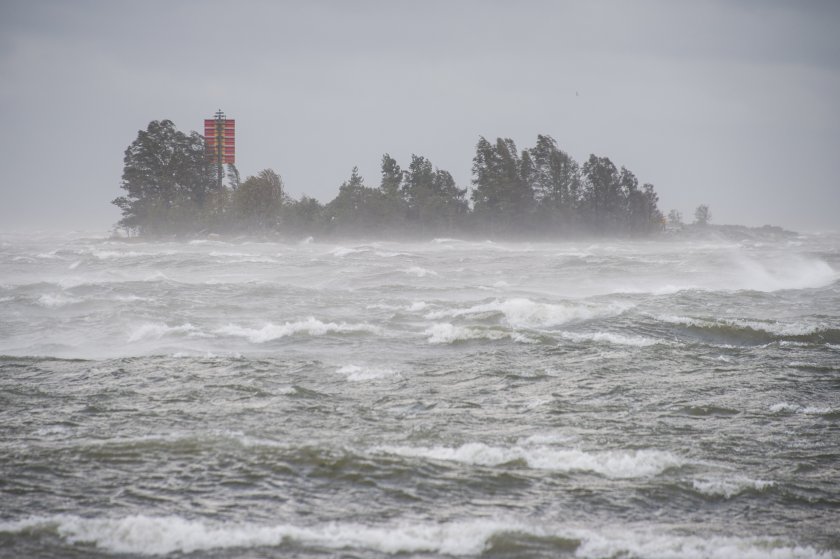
x: 447, y: 398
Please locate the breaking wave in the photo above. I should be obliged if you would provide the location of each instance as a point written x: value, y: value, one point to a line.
x: 729, y: 487
x: 445, y: 333
x: 618, y: 464
x: 310, y: 326
x: 525, y: 313
x: 610, y: 338
x: 753, y: 332
x: 163, y: 535
x: 354, y: 373
x: 157, y: 330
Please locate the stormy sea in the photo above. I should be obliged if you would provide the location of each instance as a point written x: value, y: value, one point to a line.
x: 447, y: 398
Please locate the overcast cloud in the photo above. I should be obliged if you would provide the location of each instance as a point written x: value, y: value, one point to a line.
x: 731, y: 104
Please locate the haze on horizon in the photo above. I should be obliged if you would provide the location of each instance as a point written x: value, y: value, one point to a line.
x: 730, y: 104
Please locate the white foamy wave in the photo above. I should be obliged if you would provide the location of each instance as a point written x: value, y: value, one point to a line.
x: 310, y: 326
x: 609, y: 337
x: 784, y: 407
x: 446, y: 333
x: 130, y: 298
x: 612, y: 463
x: 113, y: 254
x: 163, y: 535
x: 52, y: 301
x: 355, y: 373
x: 419, y: 272
x: 655, y: 544
x: 344, y: 251
x: 729, y: 487
x: 417, y: 306
x: 242, y: 258
x: 770, y: 327
x: 157, y: 330
x: 791, y: 272
x: 526, y: 313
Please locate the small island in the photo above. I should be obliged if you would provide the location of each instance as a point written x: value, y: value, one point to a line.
x: 173, y: 189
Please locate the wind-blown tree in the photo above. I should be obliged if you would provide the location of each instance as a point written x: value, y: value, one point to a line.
x: 392, y: 177
x: 675, y: 218
x: 433, y: 199
x: 259, y: 200
x: 388, y: 205
x: 702, y: 215
x: 303, y: 216
x: 602, y: 194
x: 502, y: 193
x: 556, y: 182
x: 355, y: 209
x: 167, y: 179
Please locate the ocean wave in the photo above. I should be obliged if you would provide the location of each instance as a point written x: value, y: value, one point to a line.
x: 157, y: 330
x: 446, y: 333
x: 525, y: 313
x: 729, y: 487
x: 242, y: 258
x: 791, y: 272
x: 746, y: 331
x: 419, y: 272
x: 784, y: 407
x: 164, y: 535
x: 311, y: 326
x: 611, y: 338
x: 56, y: 300
x: 346, y: 251
x: 617, y: 464
x: 354, y: 373
x: 652, y: 544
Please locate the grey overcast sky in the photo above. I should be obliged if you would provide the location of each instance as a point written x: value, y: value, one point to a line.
x: 735, y: 104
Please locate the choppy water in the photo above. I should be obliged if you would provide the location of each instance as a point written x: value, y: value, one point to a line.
x: 448, y: 398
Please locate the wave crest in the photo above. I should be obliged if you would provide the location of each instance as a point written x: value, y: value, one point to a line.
x: 311, y: 326
x: 615, y: 464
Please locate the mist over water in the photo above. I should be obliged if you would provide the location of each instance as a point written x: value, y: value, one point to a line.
x: 233, y: 398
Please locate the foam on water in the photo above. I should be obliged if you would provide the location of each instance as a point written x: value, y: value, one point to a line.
x: 157, y: 330
x: 729, y: 487
x: 771, y: 327
x: 446, y: 333
x: 345, y: 251
x: 611, y: 338
x: 419, y: 272
x: 163, y: 535
x: 650, y: 544
x: 790, y: 272
x: 55, y: 300
x: 311, y: 326
x: 525, y: 313
x: 354, y: 373
x: 618, y: 464
x: 417, y: 306
x: 785, y: 407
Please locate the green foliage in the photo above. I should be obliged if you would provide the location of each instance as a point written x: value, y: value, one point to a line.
x: 503, y: 194
x: 259, y: 199
x: 171, y: 188
x: 166, y: 178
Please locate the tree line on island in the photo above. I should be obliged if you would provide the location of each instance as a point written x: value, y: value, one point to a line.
x: 172, y: 188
